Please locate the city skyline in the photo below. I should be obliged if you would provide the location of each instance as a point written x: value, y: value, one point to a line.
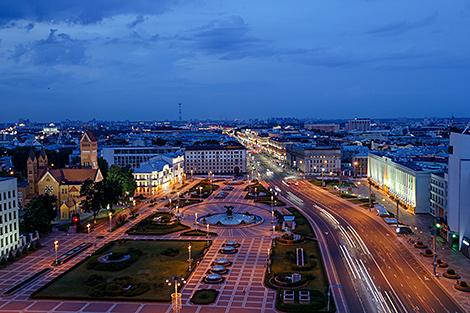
x: 225, y: 61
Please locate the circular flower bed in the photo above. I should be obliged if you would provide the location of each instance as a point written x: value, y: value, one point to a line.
x: 114, y: 261
x: 451, y: 274
x: 222, y: 261
x: 462, y: 286
x: 420, y: 245
x: 283, y: 280
x: 427, y: 253
x: 441, y: 263
x: 228, y: 250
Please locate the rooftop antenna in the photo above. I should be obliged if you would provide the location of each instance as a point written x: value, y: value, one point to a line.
x: 180, y: 115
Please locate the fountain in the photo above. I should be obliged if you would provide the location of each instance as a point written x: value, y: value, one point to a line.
x: 228, y: 250
x: 219, y: 269
x: 213, y: 278
x: 222, y: 261
x: 229, y: 218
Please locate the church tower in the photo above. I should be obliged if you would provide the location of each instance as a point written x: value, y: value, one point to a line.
x: 32, y: 168
x: 42, y: 159
x: 89, y: 150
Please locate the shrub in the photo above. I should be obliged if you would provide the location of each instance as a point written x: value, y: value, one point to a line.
x: 451, y: 271
x: 94, y: 280
x: 204, y: 296
x: 463, y: 284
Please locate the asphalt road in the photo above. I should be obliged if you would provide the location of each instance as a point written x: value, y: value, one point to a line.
x: 377, y: 272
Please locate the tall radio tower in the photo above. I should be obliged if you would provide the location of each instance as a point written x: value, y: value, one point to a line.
x: 180, y: 115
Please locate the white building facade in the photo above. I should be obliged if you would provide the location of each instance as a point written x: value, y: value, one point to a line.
x: 458, y: 204
x: 159, y: 172
x: 215, y: 159
x: 9, y: 217
x: 410, y: 186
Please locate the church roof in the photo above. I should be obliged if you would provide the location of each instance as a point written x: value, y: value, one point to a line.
x: 90, y: 135
x: 73, y: 176
x: 32, y: 155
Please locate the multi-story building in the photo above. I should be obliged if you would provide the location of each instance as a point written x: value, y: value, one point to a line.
x: 359, y: 165
x: 133, y: 156
x: 438, y: 196
x: 158, y: 172
x: 358, y: 124
x: 215, y: 159
x: 314, y: 160
x: 9, y: 226
x: 328, y: 128
x: 89, y: 150
x: 406, y: 182
x: 458, y: 204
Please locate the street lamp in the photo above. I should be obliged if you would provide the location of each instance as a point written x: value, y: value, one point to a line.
x: 434, y: 248
x: 322, y: 176
x: 88, y: 227
x: 110, y: 215
x: 176, y: 296
x: 200, y: 191
x: 56, y: 249
x: 190, y: 259
x: 191, y: 175
x: 207, y: 235
x: 195, y: 218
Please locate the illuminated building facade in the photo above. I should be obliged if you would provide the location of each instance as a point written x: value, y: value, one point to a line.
x: 215, y: 159
x: 314, y: 160
x: 9, y: 226
x: 404, y: 182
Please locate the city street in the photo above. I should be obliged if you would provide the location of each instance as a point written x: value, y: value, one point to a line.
x: 393, y: 276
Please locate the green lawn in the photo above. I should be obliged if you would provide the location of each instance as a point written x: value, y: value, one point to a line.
x: 283, y: 260
x: 149, y: 227
x: 148, y: 273
x: 302, y: 225
x: 206, y: 190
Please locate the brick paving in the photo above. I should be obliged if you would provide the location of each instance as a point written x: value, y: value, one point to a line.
x: 241, y: 292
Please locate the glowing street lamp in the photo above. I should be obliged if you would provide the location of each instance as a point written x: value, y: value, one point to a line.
x: 110, y: 215
x: 207, y: 235
x: 56, y: 249
x: 200, y: 191
x: 195, y: 218
x: 190, y: 259
x: 176, y: 296
x: 88, y: 227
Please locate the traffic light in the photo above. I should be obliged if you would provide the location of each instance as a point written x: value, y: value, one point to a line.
x: 75, y: 219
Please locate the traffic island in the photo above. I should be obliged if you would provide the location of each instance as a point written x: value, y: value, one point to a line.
x: 295, y: 270
x: 126, y: 270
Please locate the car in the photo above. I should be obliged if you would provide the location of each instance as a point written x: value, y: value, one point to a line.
x: 404, y: 230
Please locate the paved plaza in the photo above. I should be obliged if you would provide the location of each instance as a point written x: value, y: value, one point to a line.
x: 242, y: 290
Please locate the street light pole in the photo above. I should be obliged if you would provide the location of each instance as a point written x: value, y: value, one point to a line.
x: 398, y: 211
x: 190, y: 260
x: 110, y: 214
x: 56, y: 249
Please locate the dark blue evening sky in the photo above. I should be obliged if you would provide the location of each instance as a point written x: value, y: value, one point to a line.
x: 121, y: 59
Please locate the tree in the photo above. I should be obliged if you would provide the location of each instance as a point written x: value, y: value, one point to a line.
x: 124, y: 178
x: 104, y: 166
x: 38, y: 214
x: 99, y: 196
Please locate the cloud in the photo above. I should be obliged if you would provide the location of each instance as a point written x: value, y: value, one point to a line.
x: 83, y: 11
x: 138, y: 20
x: 398, y: 28
x: 229, y: 38
x: 57, y: 48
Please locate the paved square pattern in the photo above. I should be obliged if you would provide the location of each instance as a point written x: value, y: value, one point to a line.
x: 241, y: 292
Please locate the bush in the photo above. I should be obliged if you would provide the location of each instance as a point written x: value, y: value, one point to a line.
x: 95, y: 280
x: 204, y: 296
x: 451, y: 271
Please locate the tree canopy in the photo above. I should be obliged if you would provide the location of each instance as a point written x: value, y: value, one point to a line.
x: 38, y: 214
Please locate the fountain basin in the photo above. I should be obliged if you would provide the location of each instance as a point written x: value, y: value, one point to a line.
x: 222, y: 261
x: 219, y: 269
x: 228, y: 250
x: 213, y: 278
x: 234, y: 219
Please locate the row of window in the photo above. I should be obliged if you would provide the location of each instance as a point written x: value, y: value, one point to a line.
x: 7, y: 195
